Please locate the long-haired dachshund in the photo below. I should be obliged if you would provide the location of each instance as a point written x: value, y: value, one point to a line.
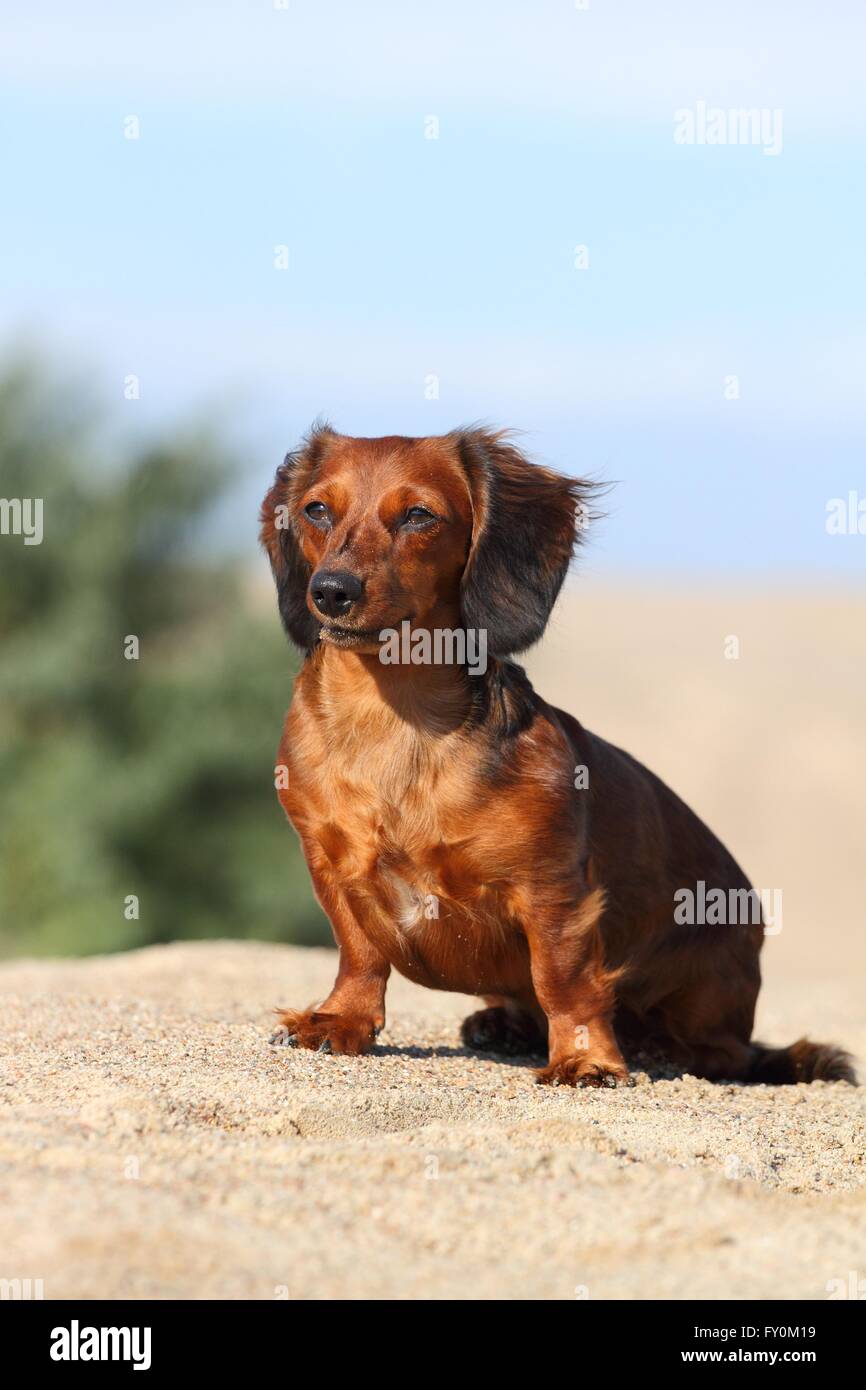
x: 456, y: 827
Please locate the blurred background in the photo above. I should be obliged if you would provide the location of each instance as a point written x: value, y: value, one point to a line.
x: 222, y: 220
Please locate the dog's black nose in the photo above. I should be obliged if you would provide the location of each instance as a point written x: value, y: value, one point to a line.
x: 334, y: 592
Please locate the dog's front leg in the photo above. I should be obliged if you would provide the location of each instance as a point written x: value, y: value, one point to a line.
x: 354, y: 1012
x: 576, y: 992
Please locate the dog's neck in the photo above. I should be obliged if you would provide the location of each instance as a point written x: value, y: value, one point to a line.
x: 432, y: 699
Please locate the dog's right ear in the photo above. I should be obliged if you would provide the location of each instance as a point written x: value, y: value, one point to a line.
x: 280, y: 538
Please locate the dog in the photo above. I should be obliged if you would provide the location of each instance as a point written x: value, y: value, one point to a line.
x: 446, y: 832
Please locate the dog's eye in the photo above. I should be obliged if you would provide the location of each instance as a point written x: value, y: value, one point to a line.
x: 318, y: 513
x: 418, y: 516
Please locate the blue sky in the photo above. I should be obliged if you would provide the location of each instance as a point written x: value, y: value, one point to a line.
x: 410, y: 257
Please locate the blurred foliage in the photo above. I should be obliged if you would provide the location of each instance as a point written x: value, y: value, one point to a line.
x: 149, y: 777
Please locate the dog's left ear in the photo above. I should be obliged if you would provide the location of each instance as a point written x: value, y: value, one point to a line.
x: 279, y: 537
x: 526, y: 522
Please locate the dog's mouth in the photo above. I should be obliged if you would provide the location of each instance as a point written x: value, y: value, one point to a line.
x: 348, y: 636
x: 337, y: 636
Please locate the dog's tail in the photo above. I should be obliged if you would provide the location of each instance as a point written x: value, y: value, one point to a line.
x: 802, y: 1061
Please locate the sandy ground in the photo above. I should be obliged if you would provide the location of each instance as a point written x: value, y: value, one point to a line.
x: 153, y: 1145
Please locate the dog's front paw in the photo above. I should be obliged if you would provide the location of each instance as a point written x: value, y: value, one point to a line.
x: 583, y: 1071
x: 323, y: 1032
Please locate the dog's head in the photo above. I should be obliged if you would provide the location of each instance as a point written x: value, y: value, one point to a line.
x: 456, y: 530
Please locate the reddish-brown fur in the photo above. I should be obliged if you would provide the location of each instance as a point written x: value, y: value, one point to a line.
x: 413, y: 785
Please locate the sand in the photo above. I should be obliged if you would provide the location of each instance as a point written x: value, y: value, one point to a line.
x: 153, y: 1145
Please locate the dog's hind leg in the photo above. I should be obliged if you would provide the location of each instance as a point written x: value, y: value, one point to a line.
x: 505, y: 1027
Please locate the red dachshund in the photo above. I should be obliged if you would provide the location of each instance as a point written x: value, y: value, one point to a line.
x: 445, y: 830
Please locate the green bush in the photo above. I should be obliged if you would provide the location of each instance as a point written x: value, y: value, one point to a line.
x: 150, y: 778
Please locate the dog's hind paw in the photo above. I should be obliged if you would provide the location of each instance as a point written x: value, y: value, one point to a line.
x: 509, y: 1032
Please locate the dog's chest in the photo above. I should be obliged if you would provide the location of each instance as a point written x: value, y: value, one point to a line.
x: 395, y: 826
x: 437, y: 915
x: 406, y: 845
x: 408, y: 853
